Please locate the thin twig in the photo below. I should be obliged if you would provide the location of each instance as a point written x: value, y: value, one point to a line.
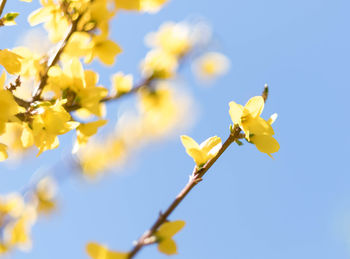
x: 55, y: 59
x: 2, y: 6
x: 144, y: 83
x: 195, y: 178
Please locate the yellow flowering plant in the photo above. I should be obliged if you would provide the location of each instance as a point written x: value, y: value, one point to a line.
x: 46, y: 94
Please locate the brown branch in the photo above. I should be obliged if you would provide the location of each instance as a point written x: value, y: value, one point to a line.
x: 2, y: 6
x: 144, y: 83
x: 195, y: 178
x: 55, y: 59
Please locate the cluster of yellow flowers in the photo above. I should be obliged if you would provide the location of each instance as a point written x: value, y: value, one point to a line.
x: 256, y: 131
x: 18, y: 214
x: 161, y: 106
x: 64, y: 87
x: 69, y: 97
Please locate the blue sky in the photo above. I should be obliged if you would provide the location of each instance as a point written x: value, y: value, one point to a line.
x: 248, y: 206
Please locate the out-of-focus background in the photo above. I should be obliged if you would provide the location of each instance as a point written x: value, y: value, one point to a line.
x: 248, y: 206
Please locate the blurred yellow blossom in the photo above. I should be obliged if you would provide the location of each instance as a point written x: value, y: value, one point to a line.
x: 52, y: 15
x: 103, y: 48
x: 159, y: 64
x: 97, y: 251
x: 12, y: 137
x: 210, y: 65
x: 174, y: 38
x: 10, y: 61
x: 11, y: 204
x: 164, y: 236
x: 9, y: 109
x: 17, y: 232
x: 31, y: 63
x: 85, y: 131
x: 44, y: 195
x: 122, y: 83
x: 3, y: 152
x: 140, y: 5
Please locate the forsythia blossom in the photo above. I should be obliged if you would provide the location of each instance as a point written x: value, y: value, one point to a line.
x: 164, y: 236
x: 211, y: 65
x: 97, y: 251
x: 10, y: 61
x: 48, y: 122
x: 9, y: 109
x: 257, y: 130
x: 204, y: 152
x: 140, y: 5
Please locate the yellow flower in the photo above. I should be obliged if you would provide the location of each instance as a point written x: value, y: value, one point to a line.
x: 151, y: 6
x: 78, y: 45
x: 256, y: 129
x: 162, y: 109
x: 45, y: 194
x: 82, y: 83
x: 97, y: 14
x: 210, y: 66
x: 128, y: 4
x: 201, y: 153
x: 11, y: 204
x: 10, y: 61
x: 82, y: 44
x: 103, y: 48
x: 9, y: 19
x: 85, y: 131
x: 53, y: 16
x: 122, y: 83
x: 17, y: 233
x: 164, y: 236
x: 31, y: 63
x: 9, y: 109
x: 3, y: 152
x: 140, y: 5
x: 50, y: 121
x: 159, y: 64
x: 97, y: 251
x: 12, y: 137
x: 171, y: 37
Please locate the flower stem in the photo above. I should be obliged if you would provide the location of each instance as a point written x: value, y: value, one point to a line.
x: 2, y: 6
x: 195, y: 178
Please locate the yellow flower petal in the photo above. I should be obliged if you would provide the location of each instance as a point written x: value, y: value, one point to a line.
x: 211, y: 145
x: 167, y: 246
x: 169, y: 229
x: 122, y: 83
x: 189, y: 142
x: 265, y: 143
x: 257, y: 126
x: 128, y: 4
x: 97, y: 251
x: 3, y: 152
x: 254, y: 106
x: 236, y: 111
x: 10, y: 61
x: 106, y: 51
x: 39, y: 16
x: 272, y: 118
x: 203, y: 152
